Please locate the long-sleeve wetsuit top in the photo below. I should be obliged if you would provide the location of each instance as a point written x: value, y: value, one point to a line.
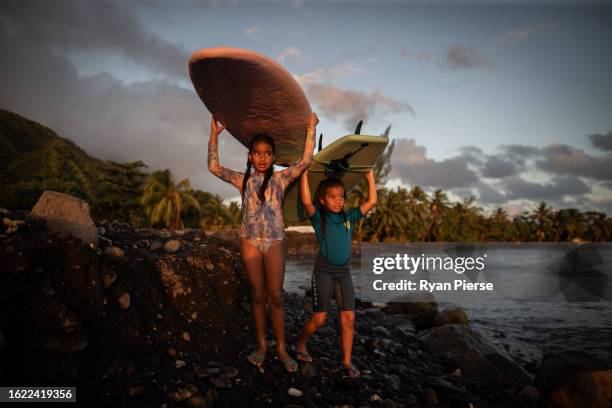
x: 262, y: 220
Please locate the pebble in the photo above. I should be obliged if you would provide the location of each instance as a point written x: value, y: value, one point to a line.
x: 109, y: 278
x: 114, y: 252
x: 230, y: 372
x: 179, y: 364
x: 294, y: 392
x: 172, y: 246
x: 124, y: 301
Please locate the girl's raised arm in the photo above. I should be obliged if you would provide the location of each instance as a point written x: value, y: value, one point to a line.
x: 371, y: 202
x: 294, y: 171
x: 225, y: 174
x: 305, y: 195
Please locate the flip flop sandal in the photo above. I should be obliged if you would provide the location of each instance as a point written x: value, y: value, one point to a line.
x: 256, y: 359
x: 303, y: 356
x: 290, y: 365
x: 351, y: 372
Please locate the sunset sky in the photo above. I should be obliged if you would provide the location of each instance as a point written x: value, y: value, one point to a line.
x: 510, y: 101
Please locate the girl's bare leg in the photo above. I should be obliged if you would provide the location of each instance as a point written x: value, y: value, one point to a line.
x: 317, y: 320
x: 347, y: 319
x: 253, y: 261
x: 274, y: 264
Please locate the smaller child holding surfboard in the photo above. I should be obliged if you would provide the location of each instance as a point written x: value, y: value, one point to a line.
x: 262, y: 230
x: 333, y: 228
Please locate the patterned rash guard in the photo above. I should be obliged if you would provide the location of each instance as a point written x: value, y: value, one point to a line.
x: 262, y: 220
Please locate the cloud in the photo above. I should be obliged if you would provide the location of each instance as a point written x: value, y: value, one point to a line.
x: 496, y: 167
x: 293, y: 53
x: 489, y: 195
x: 522, y: 34
x: 460, y: 57
x: 602, y: 142
x: 411, y: 164
x: 328, y: 73
x: 252, y: 30
x: 164, y: 125
x: 565, y: 159
x: 416, y: 55
x: 347, y: 105
x: 560, y: 186
x: 93, y: 25
x: 352, y: 106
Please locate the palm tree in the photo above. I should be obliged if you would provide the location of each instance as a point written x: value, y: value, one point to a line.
x: 597, y: 226
x: 389, y: 215
x: 418, y: 203
x: 163, y: 201
x: 542, y: 217
x: 214, y: 213
x: 235, y: 213
x: 437, y: 208
x: 500, y: 226
x: 573, y: 223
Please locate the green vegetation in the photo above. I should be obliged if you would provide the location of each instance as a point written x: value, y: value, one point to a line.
x: 34, y: 159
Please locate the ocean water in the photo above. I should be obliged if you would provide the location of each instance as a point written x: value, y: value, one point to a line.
x: 549, y: 298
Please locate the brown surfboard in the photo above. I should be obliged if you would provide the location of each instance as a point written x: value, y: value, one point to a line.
x: 250, y: 93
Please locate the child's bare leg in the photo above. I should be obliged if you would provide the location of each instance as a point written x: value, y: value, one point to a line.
x: 317, y: 320
x: 347, y: 318
x: 253, y: 261
x: 274, y: 262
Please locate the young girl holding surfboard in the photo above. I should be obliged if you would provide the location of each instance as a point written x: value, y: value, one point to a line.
x: 333, y: 228
x: 262, y: 230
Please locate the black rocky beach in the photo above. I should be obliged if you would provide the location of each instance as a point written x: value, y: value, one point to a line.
x: 155, y: 318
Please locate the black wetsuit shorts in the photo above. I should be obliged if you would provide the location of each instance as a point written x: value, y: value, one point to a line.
x: 331, y: 280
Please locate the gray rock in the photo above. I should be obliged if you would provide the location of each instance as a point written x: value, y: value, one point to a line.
x: 230, y: 372
x: 64, y: 212
x: 308, y: 370
x: 381, y: 331
x: 509, y: 370
x: 451, y: 316
x: 455, y: 338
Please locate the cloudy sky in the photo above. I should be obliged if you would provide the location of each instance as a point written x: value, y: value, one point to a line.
x: 510, y: 101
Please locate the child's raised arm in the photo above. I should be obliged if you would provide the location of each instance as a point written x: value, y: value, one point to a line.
x: 225, y: 174
x: 293, y: 171
x: 305, y: 194
x: 371, y: 202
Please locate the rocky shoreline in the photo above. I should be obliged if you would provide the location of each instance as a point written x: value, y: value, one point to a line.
x: 152, y: 318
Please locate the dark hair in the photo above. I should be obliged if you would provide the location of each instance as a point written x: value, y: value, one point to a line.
x: 259, y: 138
x: 330, y: 182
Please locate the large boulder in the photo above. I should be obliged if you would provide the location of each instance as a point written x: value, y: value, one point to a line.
x: 575, y: 379
x: 451, y: 316
x: 421, y: 310
x: 588, y: 389
x: 64, y: 212
x: 455, y: 338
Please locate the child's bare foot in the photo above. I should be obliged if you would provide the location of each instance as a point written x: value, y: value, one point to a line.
x: 257, y: 357
x: 286, y: 360
x: 301, y: 353
x: 351, y: 371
